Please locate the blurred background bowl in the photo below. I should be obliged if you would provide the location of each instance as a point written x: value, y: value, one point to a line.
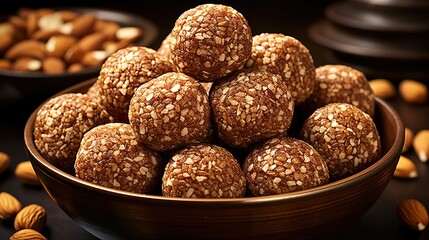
x: 115, y: 214
x: 44, y: 85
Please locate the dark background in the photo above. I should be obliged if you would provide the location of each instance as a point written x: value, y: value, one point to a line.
x: 288, y: 17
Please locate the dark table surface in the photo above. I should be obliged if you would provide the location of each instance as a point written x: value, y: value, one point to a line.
x: 293, y: 19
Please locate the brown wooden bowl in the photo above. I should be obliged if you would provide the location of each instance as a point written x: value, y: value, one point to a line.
x: 114, y: 214
x: 42, y: 84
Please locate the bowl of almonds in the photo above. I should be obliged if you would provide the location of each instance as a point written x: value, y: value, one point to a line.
x: 215, y: 134
x: 45, y: 50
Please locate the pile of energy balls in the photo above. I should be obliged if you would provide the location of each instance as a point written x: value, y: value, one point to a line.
x: 215, y: 112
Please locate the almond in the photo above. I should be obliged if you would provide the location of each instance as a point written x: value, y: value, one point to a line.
x: 405, y: 168
x: 31, y: 24
x: 32, y: 216
x: 113, y: 46
x: 4, y: 162
x: 57, y: 46
x: 41, y: 12
x: 408, y: 141
x: 74, y: 54
x: 5, y: 42
x: 382, y: 88
x: 413, y: 213
x: 25, y: 172
x: 9, y: 206
x: 421, y: 145
x: 83, y: 25
x: 109, y: 29
x: 75, y: 67
x: 50, y: 22
x: 53, y: 65
x: 413, y: 91
x: 128, y: 33
x: 67, y: 15
x: 92, y: 41
x: 94, y: 58
x: 44, y: 35
x: 26, y: 48
x: 17, y: 22
x: 27, y: 64
x: 27, y: 234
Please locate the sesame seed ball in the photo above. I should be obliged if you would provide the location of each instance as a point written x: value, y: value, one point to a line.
x: 210, y: 41
x: 123, y: 72
x: 343, y: 84
x: 164, y: 49
x: 282, y: 165
x: 111, y: 155
x: 345, y: 136
x: 288, y: 57
x: 203, y: 171
x: 249, y: 106
x: 170, y: 112
x: 60, y: 125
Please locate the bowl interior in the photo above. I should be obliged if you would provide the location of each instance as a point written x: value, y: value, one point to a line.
x: 318, y: 211
x: 39, y: 83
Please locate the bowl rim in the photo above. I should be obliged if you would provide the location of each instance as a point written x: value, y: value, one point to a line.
x: 149, y: 27
x: 328, y: 188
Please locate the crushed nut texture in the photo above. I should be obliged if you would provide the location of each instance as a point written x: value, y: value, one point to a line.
x: 170, y: 111
x: 287, y: 57
x: 342, y: 84
x: 283, y: 165
x: 203, y: 171
x: 210, y: 41
x: 123, y: 72
x: 345, y: 136
x: 60, y: 125
x: 249, y: 106
x: 111, y: 155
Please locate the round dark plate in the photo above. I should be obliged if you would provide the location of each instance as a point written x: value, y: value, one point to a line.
x: 39, y: 83
x: 367, y: 17
x: 396, y: 3
x: 393, y: 47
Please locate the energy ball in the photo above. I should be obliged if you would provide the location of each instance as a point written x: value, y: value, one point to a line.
x: 203, y: 171
x: 210, y: 41
x: 283, y: 165
x: 60, y: 125
x: 341, y: 84
x: 170, y: 112
x: 164, y: 49
x: 345, y: 136
x: 288, y: 57
x: 111, y: 155
x: 249, y: 106
x: 123, y: 72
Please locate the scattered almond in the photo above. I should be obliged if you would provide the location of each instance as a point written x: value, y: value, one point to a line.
x: 128, y: 33
x: 75, y: 67
x: 27, y: 234
x: 83, y: 25
x: 94, y: 58
x: 32, y: 216
x: 9, y: 206
x: 405, y: 168
x: 92, y: 42
x: 408, y: 141
x: 4, y: 162
x: 382, y: 88
x: 25, y: 172
x: 31, y: 23
x: 50, y: 22
x: 413, y: 91
x: 413, y: 213
x: 58, y: 45
x: 421, y: 145
x: 6, y: 41
x: 45, y: 35
x: 53, y: 65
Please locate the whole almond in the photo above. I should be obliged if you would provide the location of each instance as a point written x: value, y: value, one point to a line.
x: 9, y: 206
x: 113, y: 46
x: 408, y: 141
x: 413, y: 213
x: 75, y: 67
x: 92, y: 41
x: 4, y: 162
x: 67, y: 15
x: 44, y: 35
x: 83, y: 25
x: 25, y: 172
x: 94, y: 58
x: 128, y: 33
x: 382, y: 88
x: 57, y: 46
x: 74, y: 54
x: 27, y: 234
x: 5, y: 64
x: 26, y: 48
x: 421, y: 144
x: 32, y: 216
x: 18, y: 23
x: 405, y: 168
x: 53, y: 65
x: 27, y: 64
x: 6, y: 41
x: 50, y: 22
x: 413, y: 91
x: 108, y: 28
x: 31, y: 23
